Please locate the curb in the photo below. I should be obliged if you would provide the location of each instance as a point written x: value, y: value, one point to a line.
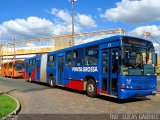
x: 13, y: 114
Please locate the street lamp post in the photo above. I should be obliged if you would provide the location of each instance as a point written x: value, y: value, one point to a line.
x: 72, y: 1
x: 14, y: 48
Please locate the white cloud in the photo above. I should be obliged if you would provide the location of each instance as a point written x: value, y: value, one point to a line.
x: 155, y: 35
x: 134, y: 11
x: 61, y: 29
x: 35, y: 27
x: 31, y: 27
x: 86, y: 21
x: 62, y: 14
x: 82, y: 20
x: 139, y: 31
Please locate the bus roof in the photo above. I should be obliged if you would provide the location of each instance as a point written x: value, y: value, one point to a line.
x: 11, y: 61
x: 96, y: 42
x: 36, y: 56
x: 92, y: 43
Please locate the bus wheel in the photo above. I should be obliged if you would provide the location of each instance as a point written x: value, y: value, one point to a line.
x: 51, y: 82
x: 30, y: 79
x: 91, y: 89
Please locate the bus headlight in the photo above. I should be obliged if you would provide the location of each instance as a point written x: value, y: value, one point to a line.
x: 123, y: 86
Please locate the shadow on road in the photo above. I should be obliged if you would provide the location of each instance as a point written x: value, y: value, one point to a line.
x: 33, y: 90
x: 107, y: 98
x: 122, y: 101
x: 12, y: 77
x: 40, y: 83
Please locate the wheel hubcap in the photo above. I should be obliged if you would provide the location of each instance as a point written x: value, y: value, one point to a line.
x: 51, y: 83
x: 30, y: 79
x: 90, y: 88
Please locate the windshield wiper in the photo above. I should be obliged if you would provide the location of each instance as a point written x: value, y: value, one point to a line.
x: 136, y: 50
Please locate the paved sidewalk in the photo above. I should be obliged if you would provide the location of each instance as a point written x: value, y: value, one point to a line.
x: 41, y: 99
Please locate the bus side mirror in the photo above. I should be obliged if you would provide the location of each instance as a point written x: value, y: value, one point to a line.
x: 156, y: 55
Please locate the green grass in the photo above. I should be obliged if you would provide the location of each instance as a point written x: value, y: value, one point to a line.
x: 7, y: 105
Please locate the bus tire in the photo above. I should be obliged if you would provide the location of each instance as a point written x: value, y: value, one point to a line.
x: 52, y: 82
x: 91, y: 88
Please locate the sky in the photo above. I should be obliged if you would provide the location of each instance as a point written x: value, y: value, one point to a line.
x: 27, y: 19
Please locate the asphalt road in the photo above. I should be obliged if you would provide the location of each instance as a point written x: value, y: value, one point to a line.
x: 41, y: 99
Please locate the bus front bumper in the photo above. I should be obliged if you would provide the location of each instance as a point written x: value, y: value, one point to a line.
x: 17, y: 74
x: 128, y: 93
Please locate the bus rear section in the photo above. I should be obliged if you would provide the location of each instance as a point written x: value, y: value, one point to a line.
x: 13, y: 68
x: 35, y: 68
x: 3, y: 69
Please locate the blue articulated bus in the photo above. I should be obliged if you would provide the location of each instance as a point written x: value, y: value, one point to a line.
x: 118, y: 66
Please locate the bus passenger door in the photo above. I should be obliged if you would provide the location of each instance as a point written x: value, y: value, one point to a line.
x: 105, y: 72
x: 114, y: 70
x: 60, y: 69
x: 109, y: 72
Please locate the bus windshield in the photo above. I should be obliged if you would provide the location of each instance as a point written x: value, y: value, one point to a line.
x: 19, y: 66
x: 138, y: 61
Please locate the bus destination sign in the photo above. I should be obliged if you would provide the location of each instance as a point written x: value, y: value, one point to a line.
x: 134, y: 41
x: 141, y: 43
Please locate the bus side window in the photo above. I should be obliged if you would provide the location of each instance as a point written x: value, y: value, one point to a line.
x: 26, y: 64
x: 91, y: 56
x: 77, y: 57
x: 10, y: 65
x: 51, y: 61
x: 114, y: 62
x: 69, y: 58
x: 30, y: 64
x: 33, y: 63
x: 105, y: 62
x: 5, y: 65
